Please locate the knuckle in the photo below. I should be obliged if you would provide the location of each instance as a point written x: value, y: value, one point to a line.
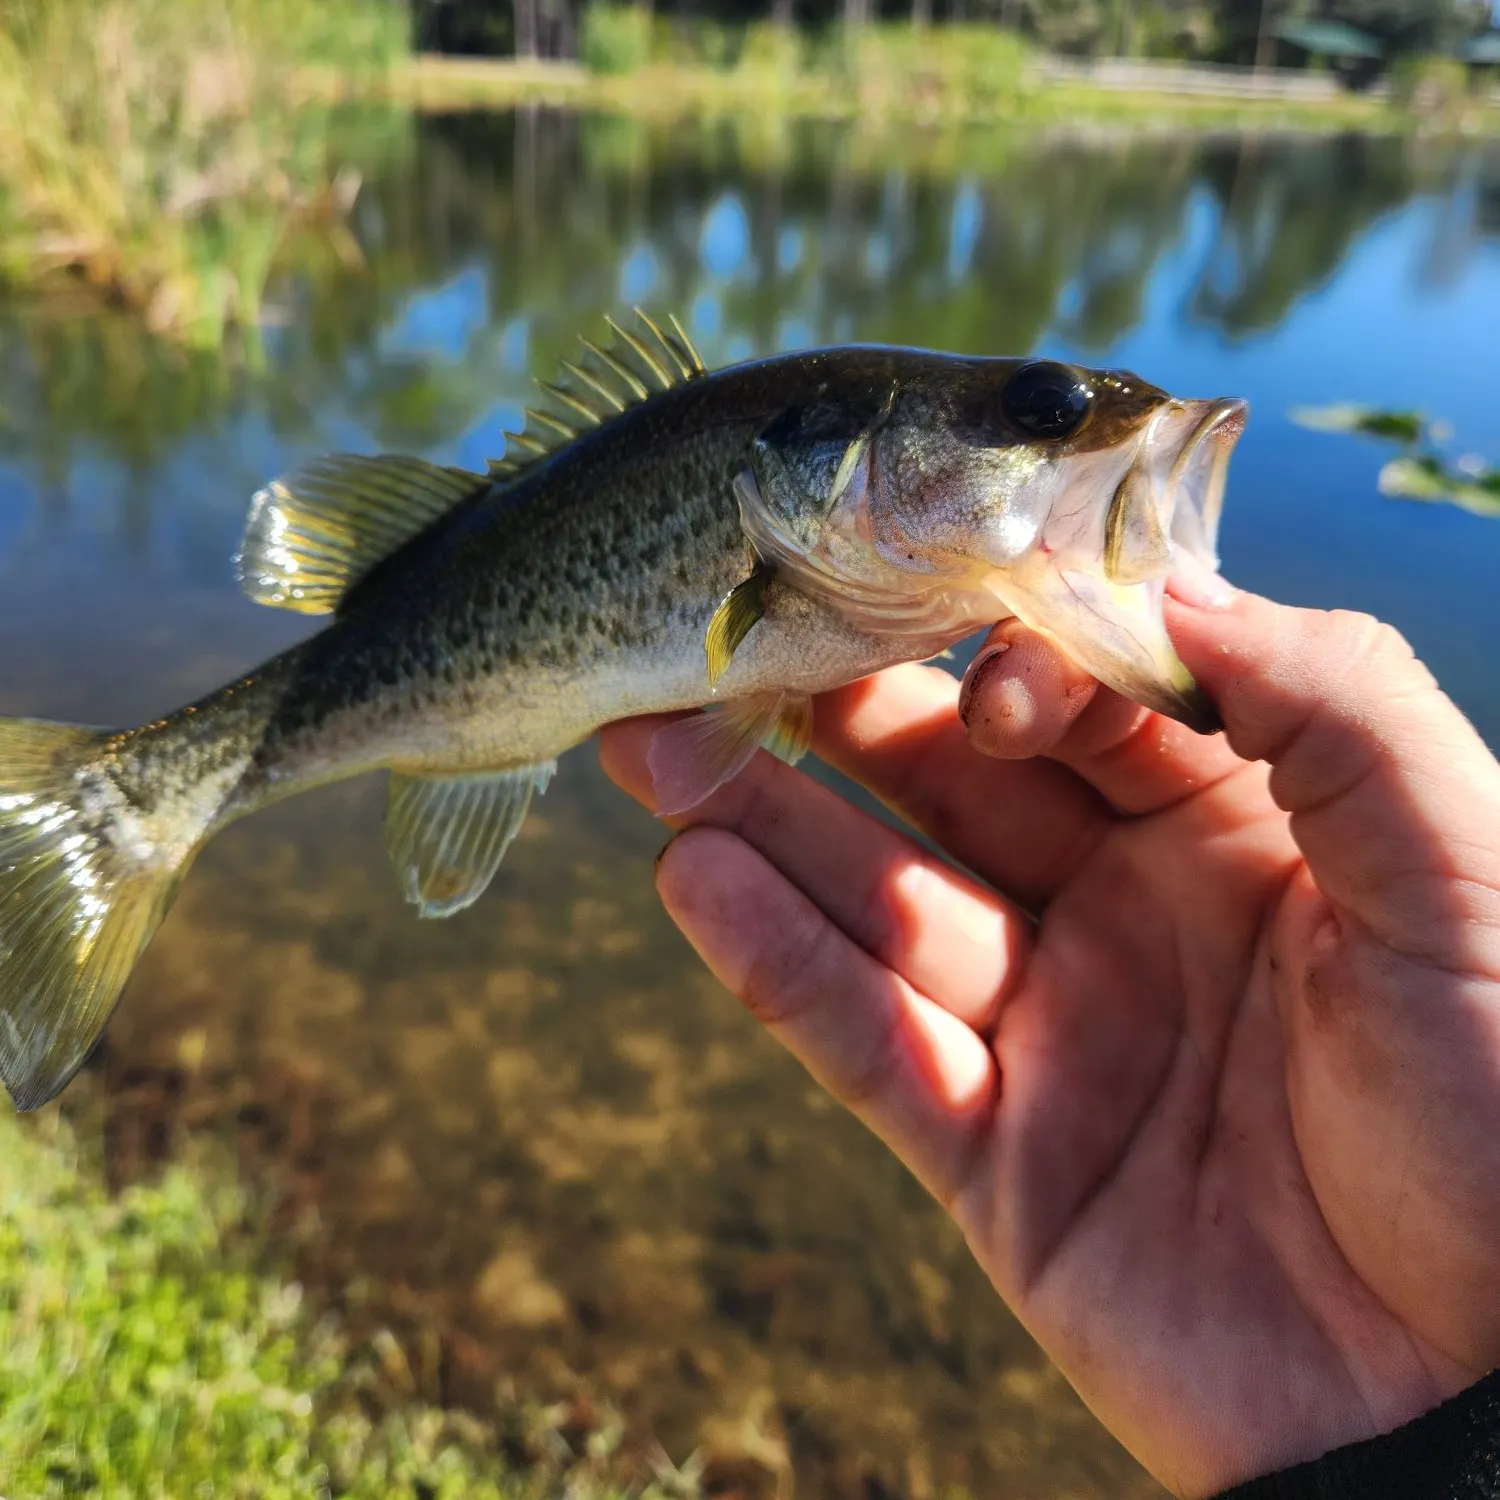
x: 1369, y: 651
x: 1362, y: 640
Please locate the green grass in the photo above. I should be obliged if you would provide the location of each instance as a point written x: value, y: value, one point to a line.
x: 143, y: 1353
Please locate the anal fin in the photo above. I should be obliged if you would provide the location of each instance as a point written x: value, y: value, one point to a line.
x: 691, y: 758
x: 447, y: 834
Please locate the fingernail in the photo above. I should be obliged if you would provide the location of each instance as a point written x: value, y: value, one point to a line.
x: 661, y: 854
x: 981, y: 664
x: 1195, y: 584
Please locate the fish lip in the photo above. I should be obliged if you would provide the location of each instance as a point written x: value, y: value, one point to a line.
x: 1199, y: 470
x: 1195, y: 484
x: 1198, y: 711
x: 1222, y: 422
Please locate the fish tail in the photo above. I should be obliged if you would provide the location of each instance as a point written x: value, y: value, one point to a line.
x: 83, y: 886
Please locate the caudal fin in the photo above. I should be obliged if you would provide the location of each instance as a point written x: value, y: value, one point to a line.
x: 82, y: 890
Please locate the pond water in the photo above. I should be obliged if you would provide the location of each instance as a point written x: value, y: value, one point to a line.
x: 538, y: 1141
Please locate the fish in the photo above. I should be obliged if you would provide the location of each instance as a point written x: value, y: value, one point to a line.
x: 656, y: 537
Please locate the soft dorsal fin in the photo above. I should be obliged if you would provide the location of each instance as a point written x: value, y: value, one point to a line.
x: 607, y: 378
x: 312, y: 537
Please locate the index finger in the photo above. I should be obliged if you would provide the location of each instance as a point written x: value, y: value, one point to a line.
x: 1023, y: 697
x: 1024, y: 826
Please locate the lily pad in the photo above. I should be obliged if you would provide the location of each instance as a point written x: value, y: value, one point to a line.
x: 1473, y: 487
x: 1369, y: 421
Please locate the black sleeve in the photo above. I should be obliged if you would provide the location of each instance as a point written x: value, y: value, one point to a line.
x: 1449, y: 1453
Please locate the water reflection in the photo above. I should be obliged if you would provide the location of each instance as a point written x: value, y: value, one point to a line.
x: 539, y: 1129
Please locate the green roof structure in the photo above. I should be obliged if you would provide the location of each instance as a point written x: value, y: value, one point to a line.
x: 1328, y: 39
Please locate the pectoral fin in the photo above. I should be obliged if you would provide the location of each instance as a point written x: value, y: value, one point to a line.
x: 447, y: 834
x: 692, y: 758
x: 734, y: 619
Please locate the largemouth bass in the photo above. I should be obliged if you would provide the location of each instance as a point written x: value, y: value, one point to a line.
x: 658, y: 537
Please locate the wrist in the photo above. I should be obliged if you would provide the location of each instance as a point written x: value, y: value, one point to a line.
x: 1451, y: 1452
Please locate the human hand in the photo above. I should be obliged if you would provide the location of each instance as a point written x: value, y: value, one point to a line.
x: 1223, y: 1123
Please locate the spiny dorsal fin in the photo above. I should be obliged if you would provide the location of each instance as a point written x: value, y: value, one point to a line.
x: 606, y: 379
x: 312, y: 537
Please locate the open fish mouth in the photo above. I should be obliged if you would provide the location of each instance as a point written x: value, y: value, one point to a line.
x: 1170, y: 498
x: 1173, y: 493
x: 1199, y: 473
x: 1109, y: 615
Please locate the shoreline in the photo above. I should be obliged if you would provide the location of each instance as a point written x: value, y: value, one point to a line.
x: 432, y: 82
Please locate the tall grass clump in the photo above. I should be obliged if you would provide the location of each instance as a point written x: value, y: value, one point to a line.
x: 695, y: 42
x: 157, y: 150
x: 775, y: 51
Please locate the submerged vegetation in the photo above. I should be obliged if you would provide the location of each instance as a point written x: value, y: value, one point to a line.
x: 143, y: 1351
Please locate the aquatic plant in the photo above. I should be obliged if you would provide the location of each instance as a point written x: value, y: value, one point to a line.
x: 1430, y: 85
x: 959, y: 69
x: 1423, y: 471
x: 157, y: 150
x: 1469, y: 483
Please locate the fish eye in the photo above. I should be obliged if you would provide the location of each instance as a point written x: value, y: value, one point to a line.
x: 1046, y: 400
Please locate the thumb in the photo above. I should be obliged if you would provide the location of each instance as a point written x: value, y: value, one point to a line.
x: 1394, y: 799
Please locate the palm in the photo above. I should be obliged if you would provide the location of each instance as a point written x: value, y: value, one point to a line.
x: 1185, y: 1119
x: 1146, y: 1192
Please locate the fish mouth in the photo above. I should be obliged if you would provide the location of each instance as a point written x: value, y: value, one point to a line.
x: 1173, y: 493
x: 1170, y: 499
x: 1199, y: 473
x: 1109, y: 613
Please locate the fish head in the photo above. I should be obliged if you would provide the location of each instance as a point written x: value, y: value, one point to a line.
x: 1048, y: 491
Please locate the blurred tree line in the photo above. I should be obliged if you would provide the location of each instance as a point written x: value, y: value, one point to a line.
x: 1209, y: 30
